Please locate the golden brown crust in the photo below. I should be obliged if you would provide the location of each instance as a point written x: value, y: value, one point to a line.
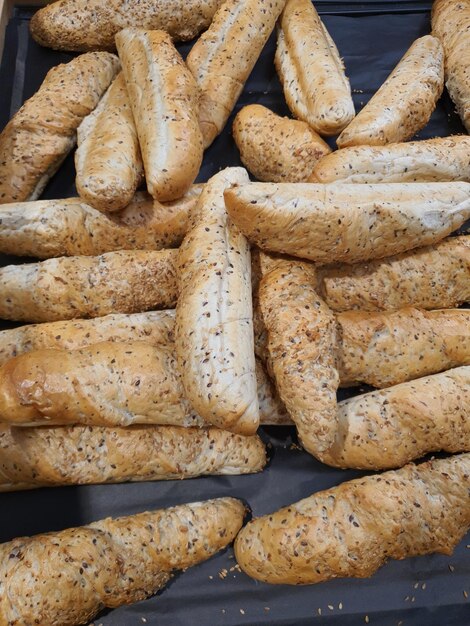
x: 165, y: 100
x: 350, y: 223
x: 274, y: 148
x: 222, y: 58
x: 38, y: 138
x: 68, y: 287
x: 352, y: 529
x: 429, y: 278
x: 436, y: 160
x: 311, y: 71
x: 450, y: 21
x: 92, y: 24
x: 69, y: 227
x: 404, y: 103
x: 65, y: 578
x: 78, y: 455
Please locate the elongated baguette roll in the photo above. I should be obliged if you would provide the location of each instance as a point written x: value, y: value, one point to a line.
x: 436, y: 160
x: 450, y: 21
x: 51, y: 228
x: 387, y: 348
x: 404, y: 103
x: 65, y: 578
x: 60, y: 289
x: 351, y: 223
x: 432, y: 277
x: 388, y: 428
x: 222, y: 58
x: 165, y: 102
x: 214, y: 317
x: 108, y: 162
x: 354, y: 528
x: 274, y: 148
x: 302, y: 355
x: 92, y: 24
x: 77, y: 455
x: 311, y: 71
x: 38, y: 138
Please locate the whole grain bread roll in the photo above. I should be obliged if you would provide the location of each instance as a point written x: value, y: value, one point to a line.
x: 387, y: 348
x: 40, y: 135
x: 354, y: 528
x: 274, y: 148
x: 222, y: 58
x: 450, y: 21
x: 78, y: 455
x: 108, y: 161
x: 387, y: 428
x: 311, y: 70
x: 214, y: 318
x: 69, y: 227
x: 165, y: 101
x: 432, y: 277
x: 65, y: 578
x: 404, y: 103
x: 350, y: 223
x: 117, y: 282
x: 92, y: 24
x: 435, y: 160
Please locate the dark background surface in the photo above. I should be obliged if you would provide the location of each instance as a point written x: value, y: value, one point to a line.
x: 371, y: 37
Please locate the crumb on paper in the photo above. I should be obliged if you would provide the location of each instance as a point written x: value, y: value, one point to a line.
x: 242, y: 611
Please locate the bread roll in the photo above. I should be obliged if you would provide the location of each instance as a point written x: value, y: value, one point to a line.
x: 67, y: 577
x: 214, y: 318
x: 274, y: 148
x: 108, y: 162
x: 165, y: 101
x: 450, y: 21
x: 350, y: 223
x: 311, y: 71
x: 432, y: 277
x: 404, y: 103
x: 435, y: 160
x: 302, y: 339
x: 50, y: 228
x: 222, y: 58
x: 354, y: 528
x: 38, y: 138
x: 92, y: 24
x: 77, y: 455
x: 68, y: 287
x: 387, y: 348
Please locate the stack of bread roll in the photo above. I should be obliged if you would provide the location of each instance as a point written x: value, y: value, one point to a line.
x: 165, y: 326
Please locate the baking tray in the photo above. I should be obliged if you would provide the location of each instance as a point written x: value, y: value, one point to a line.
x: 428, y: 590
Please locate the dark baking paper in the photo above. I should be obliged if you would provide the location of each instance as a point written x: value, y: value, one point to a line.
x: 428, y: 590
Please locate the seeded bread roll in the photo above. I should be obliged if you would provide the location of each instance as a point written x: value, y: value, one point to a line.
x: 387, y: 348
x: 38, y: 138
x: 311, y: 71
x: 354, y: 528
x: 68, y: 287
x: 214, y: 318
x: 108, y: 162
x: 51, y: 228
x: 92, y: 24
x: 432, y: 277
x: 350, y: 223
x: 78, y: 455
x: 65, y: 578
x: 222, y: 58
x: 450, y: 21
x: 274, y: 148
x: 404, y: 103
x: 165, y: 101
x: 435, y: 160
